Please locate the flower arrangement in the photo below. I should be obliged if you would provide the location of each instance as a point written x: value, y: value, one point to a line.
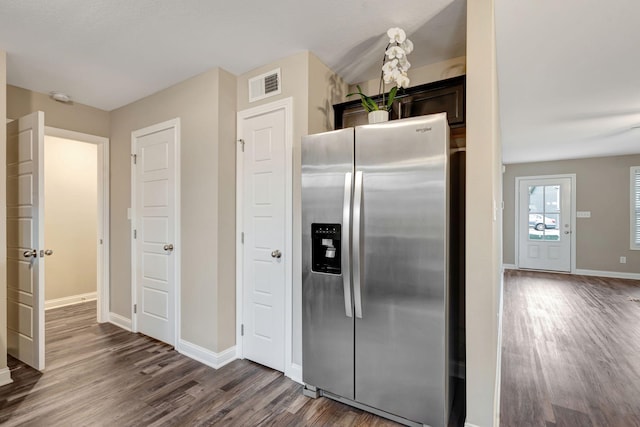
x: 394, y: 70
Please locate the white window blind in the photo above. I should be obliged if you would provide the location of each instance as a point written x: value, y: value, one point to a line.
x: 635, y: 207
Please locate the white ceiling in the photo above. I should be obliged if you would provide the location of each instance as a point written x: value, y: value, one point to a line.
x: 109, y: 53
x: 568, y: 71
x: 569, y: 78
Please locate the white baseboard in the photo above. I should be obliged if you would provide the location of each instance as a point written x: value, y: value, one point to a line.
x: 295, y: 373
x: 208, y: 357
x: 73, y: 299
x: 612, y: 274
x: 509, y: 267
x: 5, y: 376
x: 470, y: 425
x: 120, y: 321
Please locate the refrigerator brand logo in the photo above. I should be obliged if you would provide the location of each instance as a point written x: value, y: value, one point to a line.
x: 423, y: 130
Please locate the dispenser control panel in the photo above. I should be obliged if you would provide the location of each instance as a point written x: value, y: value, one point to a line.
x: 326, y: 248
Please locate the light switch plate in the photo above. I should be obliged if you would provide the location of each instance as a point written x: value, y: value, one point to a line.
x: 583, y: 214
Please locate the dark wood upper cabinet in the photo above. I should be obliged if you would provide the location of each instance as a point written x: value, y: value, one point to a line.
x: 437, y: 97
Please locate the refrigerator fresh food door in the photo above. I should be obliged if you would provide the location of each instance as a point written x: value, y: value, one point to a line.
x: 327, y: 303
x: 400, y: 285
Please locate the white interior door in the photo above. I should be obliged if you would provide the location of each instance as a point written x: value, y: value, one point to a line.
x: 264, y: 239
x: 25, y: 240
x: 155, y: 231
x: 544, y: 223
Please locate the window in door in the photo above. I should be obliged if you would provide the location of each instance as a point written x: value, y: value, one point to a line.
x: 635, y: 207
x: 544, y: 212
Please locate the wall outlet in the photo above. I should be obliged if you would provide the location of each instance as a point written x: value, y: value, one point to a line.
x: 623, y: 260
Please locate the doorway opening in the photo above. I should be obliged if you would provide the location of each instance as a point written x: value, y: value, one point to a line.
x: 76, y: 220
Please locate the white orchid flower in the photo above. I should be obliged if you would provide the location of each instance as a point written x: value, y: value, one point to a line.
x: 396, y: 35
x: 407, y: 46
x: 392, y: 75
x: 402, y: 81
x: 403, y: 63
x: 390, y: 66
x: 394, y: 52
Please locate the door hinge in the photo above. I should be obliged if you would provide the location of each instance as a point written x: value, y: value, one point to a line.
x: 135, y: 308
x: 242, y: 237
x: 241, y: 141
x: 242, y: 330
x: 135, y: 159
x: 101, y: 241
x: 135, y: 234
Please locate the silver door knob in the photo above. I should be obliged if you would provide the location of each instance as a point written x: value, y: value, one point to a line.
x: 168, y: 247
x: 48, y: 252
x: 276, y: 254
x: 32, y: 253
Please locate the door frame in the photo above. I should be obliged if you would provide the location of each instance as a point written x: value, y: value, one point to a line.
x: 290, y: 370
x: 177, y: 251
x: 572, y: 177
x: 103, y: 281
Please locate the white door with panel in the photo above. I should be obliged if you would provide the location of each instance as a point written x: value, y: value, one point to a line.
x: 263, y: 310
x: 155, y: 230
x: 25, y: 239
x: 544, y: 223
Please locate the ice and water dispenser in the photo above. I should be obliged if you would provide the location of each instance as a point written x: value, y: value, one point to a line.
x: 325, y: 248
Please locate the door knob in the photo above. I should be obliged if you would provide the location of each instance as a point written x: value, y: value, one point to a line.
x: 47, y: 252
x: 276, y: 254
x: 567, y: 232
x: 168, y: 247
x: 32, y: 253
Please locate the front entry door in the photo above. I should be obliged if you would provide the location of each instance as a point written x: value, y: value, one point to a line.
x: 544, y: 223
x: 25, y: 239
x: 263, y: 251
x: 155, y: 230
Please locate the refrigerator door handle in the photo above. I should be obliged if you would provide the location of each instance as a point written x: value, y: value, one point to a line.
x: 346, y: 241
x: 357, y: 213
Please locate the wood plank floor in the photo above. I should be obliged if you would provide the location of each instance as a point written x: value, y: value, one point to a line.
x: 571, y: 351
x: 100, y: 375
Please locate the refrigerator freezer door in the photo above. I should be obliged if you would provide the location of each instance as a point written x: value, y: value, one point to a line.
x: 327, y: 306
x: 401, y: 347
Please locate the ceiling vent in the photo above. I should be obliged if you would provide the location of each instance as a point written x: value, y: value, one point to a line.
x: 265, y: 85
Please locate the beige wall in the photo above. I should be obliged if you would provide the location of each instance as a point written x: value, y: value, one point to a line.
x: 314, y: 89
x: 3, y: 210
x: 602, y: 187
x: 71, y: 216
x: 72, y: 116
x: 205, y: 121
x: 484, y: 219
x: 420, y: 75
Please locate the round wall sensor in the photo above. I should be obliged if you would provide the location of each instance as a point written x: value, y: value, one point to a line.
x: 60, y: 97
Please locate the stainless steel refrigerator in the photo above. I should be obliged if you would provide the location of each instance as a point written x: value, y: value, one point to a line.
x: 375, y: 291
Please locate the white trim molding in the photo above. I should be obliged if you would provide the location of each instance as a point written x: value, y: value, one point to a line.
x: 295, y: 373
x: 611, y: 274
x: 205, y: 356
x: 5, y: 376
x: 291, y: 370
x: 470, y: 425
x: 509, y: 267
x: 120, y: 321
x: 70, y: 300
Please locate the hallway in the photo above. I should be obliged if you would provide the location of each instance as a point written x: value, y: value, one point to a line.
x: 101, y: 375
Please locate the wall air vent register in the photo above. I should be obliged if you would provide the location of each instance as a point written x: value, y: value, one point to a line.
x: 265, y: 85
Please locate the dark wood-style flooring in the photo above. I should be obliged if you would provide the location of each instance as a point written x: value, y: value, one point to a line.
x: 100, y: 375
x: 571, y: 351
